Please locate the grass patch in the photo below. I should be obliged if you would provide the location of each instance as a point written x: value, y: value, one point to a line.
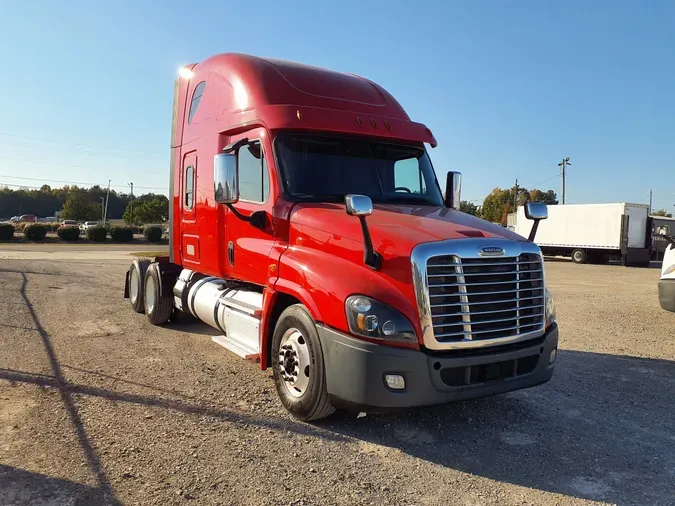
x: 150, y: 254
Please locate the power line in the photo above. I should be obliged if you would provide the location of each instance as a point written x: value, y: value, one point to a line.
x: 20, y: 186
x: 76, y: 144
x: 76, y: 151
x: 75, y: 166
x: 78, y: 182
x: 542, y: 182
x: 40, y: 187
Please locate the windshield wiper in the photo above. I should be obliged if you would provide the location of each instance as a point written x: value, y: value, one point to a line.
x: 332, y: 197
x: 408, y: 199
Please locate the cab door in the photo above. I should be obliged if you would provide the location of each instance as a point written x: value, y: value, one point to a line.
x: 249, y: 247
x: 189, y: 236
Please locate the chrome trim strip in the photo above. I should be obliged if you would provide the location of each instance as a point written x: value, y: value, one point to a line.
x: 468, y: 249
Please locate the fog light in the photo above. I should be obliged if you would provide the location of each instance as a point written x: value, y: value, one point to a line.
x: 552, y: 356
x: 394, y: 381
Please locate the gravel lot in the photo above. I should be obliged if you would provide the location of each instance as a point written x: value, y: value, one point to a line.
x: 99, y: 407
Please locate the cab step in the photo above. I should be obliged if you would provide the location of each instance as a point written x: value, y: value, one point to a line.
x: 244, y: 348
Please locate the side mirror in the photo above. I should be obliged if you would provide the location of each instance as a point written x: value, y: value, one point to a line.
x: 453, y: 189
x: 225, y: 178
x: 362, y: 206
x: 536, y: 211
x: 661, y: 231
x: 359, y: 205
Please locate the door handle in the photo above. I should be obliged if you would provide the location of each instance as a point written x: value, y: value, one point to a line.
x: 230, y: 253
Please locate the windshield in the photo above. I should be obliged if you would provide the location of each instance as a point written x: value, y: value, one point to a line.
x: 318, y: 168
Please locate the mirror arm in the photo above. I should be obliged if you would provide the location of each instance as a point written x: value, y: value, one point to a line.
x: 258, y: 219
x: 370, y: 257
x: 533, y: 231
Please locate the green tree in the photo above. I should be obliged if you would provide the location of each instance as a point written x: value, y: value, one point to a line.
x: 548, y: 197
x: 502, y: 201
x: 152, y: 211
x: 78, y: 206
x: 468, y: 207
x: 662, y: 212
x: 495, y: 204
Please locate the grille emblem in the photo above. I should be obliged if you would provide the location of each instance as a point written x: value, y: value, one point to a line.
x: 491, y: 251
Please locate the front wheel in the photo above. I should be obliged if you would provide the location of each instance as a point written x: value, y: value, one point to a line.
x: 299, y: 371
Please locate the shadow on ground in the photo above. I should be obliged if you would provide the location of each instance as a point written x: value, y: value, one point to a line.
x: 602, y: 429
x: 103, y: 493
x: 19, y: 487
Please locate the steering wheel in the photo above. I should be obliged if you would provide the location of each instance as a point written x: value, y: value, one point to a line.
x: 402, y: 188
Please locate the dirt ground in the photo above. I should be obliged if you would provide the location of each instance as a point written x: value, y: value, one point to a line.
x: 99, y: 407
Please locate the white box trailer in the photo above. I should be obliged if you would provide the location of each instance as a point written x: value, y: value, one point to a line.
x: 594, y: 233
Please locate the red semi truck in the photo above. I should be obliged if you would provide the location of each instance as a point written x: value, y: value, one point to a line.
x: 307, y: 226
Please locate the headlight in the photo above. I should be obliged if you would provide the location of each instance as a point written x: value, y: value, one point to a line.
x: 371, y: 318
x: 550, y: 309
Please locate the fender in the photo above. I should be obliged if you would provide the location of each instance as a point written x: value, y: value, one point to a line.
x: 320, y: 279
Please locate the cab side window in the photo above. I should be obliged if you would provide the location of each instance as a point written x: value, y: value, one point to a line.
x: 254, y: 183
x: 189, y: 187
x: 407, y: 174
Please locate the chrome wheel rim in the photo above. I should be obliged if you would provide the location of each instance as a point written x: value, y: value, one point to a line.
x: 150, y: 294
x: 294, y: 362
x: 134, y: 285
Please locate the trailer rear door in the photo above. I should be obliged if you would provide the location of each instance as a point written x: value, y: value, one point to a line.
x: 637, y: 225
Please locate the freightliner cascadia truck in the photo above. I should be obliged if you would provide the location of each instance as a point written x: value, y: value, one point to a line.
x: 308, y: 227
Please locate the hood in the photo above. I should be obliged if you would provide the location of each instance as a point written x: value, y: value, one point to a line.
x: 395, y: 230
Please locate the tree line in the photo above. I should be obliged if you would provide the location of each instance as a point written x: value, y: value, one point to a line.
x: 500, y: 202
x: 83, y: 204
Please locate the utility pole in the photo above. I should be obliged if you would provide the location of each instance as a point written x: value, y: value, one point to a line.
x: 565, y: 162
x: 515, y: 204
x: 107, y: 194
x: 102, y: 209
x: 650, y: 202
x: 131, y: 202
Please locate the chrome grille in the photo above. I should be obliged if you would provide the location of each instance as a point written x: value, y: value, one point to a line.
x: 485, y: 298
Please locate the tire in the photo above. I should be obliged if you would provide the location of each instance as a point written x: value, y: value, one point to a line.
x: 137, y: 283
x: 306, y: 396
x: 579, y: 256
x: 157, y: 308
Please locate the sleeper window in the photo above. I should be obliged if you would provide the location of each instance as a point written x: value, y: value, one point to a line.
x: 196, y: 98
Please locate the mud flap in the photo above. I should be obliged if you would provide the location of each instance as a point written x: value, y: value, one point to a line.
x: 126, y: 284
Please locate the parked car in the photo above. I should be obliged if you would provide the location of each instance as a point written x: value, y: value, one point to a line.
x: 87, y: 225
x: 24, y: 218
x: 69, y: 223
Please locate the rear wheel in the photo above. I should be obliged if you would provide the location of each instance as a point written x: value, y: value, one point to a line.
x: 299, y: 371
x: 137, y: 283
x: 579, y: 256
x: 157, y: 308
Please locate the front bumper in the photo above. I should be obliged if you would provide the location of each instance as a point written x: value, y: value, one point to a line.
x: 355, y: 371
x: 667, y: 294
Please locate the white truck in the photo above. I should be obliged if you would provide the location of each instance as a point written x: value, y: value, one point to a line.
x: 594, y: 233
x: 667, y: 281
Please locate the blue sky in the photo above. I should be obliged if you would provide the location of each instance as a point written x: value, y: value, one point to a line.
x: 507, y: 87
